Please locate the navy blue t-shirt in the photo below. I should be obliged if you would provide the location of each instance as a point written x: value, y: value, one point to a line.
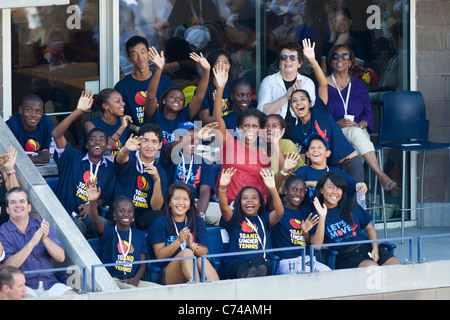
x: 288, y: 232
x: 308, y: 173
x: 111, y: 251
x: 322, y: 123
x: 74, y: 171
x: 134, y: 93
x: 137, y: 185
x: 244, y: 239
x: 35, y: 140
x: 337, y: 230
x: 199, y: 174
x: 168, y: 126
x: 160, y: 232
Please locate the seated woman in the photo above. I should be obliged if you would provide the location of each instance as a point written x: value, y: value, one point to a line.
x: 180, y: 233
x: 248, y: 225
x: 316, y: 119
x: 343, y: 221
x: 349, y: 106
x: 293, y: 229
x: 112, y: 119
x: 120, y: 243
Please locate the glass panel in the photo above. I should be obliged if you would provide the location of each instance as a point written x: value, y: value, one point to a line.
x: 55, y: 50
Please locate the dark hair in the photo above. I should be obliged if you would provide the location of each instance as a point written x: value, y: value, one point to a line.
x: 345, y: 205
x: 96, y: 129
x: 134, y: 41
x: 165, y: 94
x: 293, y: 46
x: 151, y: 127
x: 6, y: 275
x: 122, y: 199
x: 15, y: 190
x: 32, y: 97
x: 191, y: 215
x: 293, y: 178
x: 251, y: 112
x: 212, y: 58
x: 240, y: 214
x: 334, y: 49
x: 303, y: 91
x: 101, y: 98
x: 279, y: 118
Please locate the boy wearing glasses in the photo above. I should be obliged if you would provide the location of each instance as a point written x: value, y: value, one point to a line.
x: 76, y: 170
x: 275, y: 90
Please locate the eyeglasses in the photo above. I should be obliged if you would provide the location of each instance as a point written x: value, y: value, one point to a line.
x: 344, y: 56
x: 291, y: 57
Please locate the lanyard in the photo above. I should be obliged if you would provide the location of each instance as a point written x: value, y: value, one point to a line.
x: 96, y: 170
x: 198, y: 20
x: 186, y: 177
x: 140, y: 166
x: 184, y: 244
x: 340, y: 94
x: 263, y: 244
x: 125, y: 254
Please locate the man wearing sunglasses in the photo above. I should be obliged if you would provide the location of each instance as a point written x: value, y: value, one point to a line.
x: 275, y: 90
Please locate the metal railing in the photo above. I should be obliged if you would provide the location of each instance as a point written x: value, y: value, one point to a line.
x: 419, y: 244
x: 194, y: 280
x: 328, y: 245
x: 240, y: 253
x: 66, y: 269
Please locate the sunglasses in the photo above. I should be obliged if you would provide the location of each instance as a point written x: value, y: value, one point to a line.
x: 344, y: 56
x: 291, y: 57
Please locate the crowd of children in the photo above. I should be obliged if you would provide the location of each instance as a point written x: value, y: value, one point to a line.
x: 161, y: 193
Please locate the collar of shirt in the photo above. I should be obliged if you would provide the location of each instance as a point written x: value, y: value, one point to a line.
x: 103, y: 162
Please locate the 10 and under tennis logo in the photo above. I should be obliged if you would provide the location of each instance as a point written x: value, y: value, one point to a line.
x: 32, y: 146
x: 141, y: 192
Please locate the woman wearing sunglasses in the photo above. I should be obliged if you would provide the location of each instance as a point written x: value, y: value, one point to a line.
x: 275, y: 90
x: 349, y: 106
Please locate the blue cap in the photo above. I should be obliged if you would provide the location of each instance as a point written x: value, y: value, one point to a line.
x: 187, y: 125
x: 316, y: 136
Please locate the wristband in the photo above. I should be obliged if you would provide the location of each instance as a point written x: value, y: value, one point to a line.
x: 196, y: 248
x: 222, y: 190
x: 10, y: 173
x: 284, y: 173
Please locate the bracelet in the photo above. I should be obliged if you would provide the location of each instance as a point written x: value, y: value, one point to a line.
x: 284, y: 173
x: 222, y: 190
x: 117, y: 134
x: 113, y: 139
x: 196, y: 248
x: 10, y: 173
x: 315, y: 65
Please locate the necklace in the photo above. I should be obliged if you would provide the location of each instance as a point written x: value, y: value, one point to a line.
x: 305, y: 133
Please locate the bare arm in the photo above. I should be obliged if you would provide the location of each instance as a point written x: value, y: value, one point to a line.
x: 150, y: 102
x: 202, y: 86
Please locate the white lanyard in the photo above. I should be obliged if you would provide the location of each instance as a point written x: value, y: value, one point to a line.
x: 96, y: 170
x: 186, y: 177
x: 140, y: 166
x: 340, y: 94
x: 125, y: 254
x: 197, y: 18
x: 263, y: 244
x: 184, y: 244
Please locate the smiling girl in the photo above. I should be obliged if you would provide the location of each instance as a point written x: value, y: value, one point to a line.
x: 249, y: 225
x: 120, y: 243
x: 180, y: 233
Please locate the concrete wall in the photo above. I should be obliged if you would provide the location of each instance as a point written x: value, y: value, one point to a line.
x: 414, y: 281
x: 433, y: 80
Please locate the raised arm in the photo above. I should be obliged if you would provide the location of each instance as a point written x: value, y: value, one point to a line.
x: 225, y: 180
x: 221, y: 77
x: 268, y: 178
x: 202, y: 84
x: 308, y: 52
x: 151, y: 102
x: 84, y: 104
x: 94, y: 194
x: 133, y: 143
